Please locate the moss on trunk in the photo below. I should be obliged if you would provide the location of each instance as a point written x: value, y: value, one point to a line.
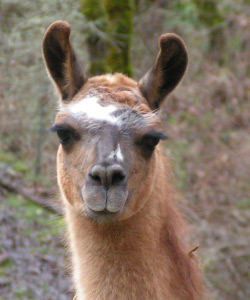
x: 120, y: 26
x: 95, y: 14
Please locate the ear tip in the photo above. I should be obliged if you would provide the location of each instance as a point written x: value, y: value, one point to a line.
x: 60, y: 27
x: 168, y: 39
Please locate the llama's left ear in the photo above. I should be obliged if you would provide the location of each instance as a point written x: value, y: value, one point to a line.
x: 167, y: 71
x: 61, y: 61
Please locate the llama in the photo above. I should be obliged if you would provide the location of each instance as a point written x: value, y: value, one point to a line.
x: 126, y: 234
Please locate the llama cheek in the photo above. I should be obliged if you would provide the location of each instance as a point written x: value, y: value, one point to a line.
x: 139, y: 193
x: 67, y: 187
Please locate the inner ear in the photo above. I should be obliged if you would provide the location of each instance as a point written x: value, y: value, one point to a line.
x: 61, y: 61
x: 167, y: 71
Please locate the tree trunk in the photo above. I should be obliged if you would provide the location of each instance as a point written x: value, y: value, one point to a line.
x: 95, y: 14
x: 120, y: 16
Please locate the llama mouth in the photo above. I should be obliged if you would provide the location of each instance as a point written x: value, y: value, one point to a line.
x: 104, y: 206
x: 103, y: 216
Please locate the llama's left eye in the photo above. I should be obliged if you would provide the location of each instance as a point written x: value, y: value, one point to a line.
x: 150, y: 142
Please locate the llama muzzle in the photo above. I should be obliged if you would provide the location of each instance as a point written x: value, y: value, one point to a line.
x: 105, y: 192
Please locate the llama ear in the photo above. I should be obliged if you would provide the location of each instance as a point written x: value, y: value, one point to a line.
x: 61, y: 61
x: 167, y: 71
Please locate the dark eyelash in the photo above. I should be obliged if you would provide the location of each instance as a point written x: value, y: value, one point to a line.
x: 66, y: 127
x: 158, y: 135
x: 65, y: 134
x: 150, y: 140
x: 58, y: 127
x: 154, y: 136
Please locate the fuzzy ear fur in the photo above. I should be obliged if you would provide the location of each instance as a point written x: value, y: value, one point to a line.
x: 167, y: 71
x: 61, y: 61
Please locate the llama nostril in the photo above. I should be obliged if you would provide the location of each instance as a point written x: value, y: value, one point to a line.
x: 115, y: 174
x: 107, y: 175
x: 95, y: 178
x: 98, y: 174
x: 117, y: 177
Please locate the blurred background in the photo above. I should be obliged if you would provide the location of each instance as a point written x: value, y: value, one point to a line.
x: 207, y: 119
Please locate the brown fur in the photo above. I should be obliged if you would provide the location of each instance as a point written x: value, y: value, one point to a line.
x: 142, y: 255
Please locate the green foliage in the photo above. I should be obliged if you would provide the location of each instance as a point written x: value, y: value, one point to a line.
x: 211, y: 17
x: 243, y: 204
x: 93, y: 9
x: 208, y: 12
x: 10, y: 160
x: 30, y: 238
x: 7, y: 158
x: 20, y: 166
x: 23, y: 77
x: 183, y: 14
x: 4, y: 266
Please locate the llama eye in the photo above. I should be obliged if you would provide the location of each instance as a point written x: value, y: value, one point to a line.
x: 150, y: 142
x: 65, y: 136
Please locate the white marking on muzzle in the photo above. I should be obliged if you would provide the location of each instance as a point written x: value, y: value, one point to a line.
x: 116, y: 154
x: 119, y: 153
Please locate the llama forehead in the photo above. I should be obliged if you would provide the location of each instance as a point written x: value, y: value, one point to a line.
x: 112, y: 80
x: 97, y: 109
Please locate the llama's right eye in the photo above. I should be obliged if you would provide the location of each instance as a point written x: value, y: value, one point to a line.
x: 65, y: 136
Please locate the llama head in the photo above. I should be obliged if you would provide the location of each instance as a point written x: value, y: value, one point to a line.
x: 108, y: 127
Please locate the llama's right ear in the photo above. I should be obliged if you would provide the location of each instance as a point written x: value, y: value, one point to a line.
x: 61, y: 61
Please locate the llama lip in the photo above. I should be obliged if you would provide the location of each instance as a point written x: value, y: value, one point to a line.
x: 101, y: 202
x: 104, y: 216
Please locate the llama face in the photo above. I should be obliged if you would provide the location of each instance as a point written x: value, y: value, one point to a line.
x: 108, y: 141
x: 107, y: 127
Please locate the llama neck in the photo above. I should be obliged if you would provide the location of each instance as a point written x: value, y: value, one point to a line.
x: 139, y: 258
x: 117, y: 261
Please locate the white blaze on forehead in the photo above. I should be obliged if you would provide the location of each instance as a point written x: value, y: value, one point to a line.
x: 93, y: 109
x: 90, y: 108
